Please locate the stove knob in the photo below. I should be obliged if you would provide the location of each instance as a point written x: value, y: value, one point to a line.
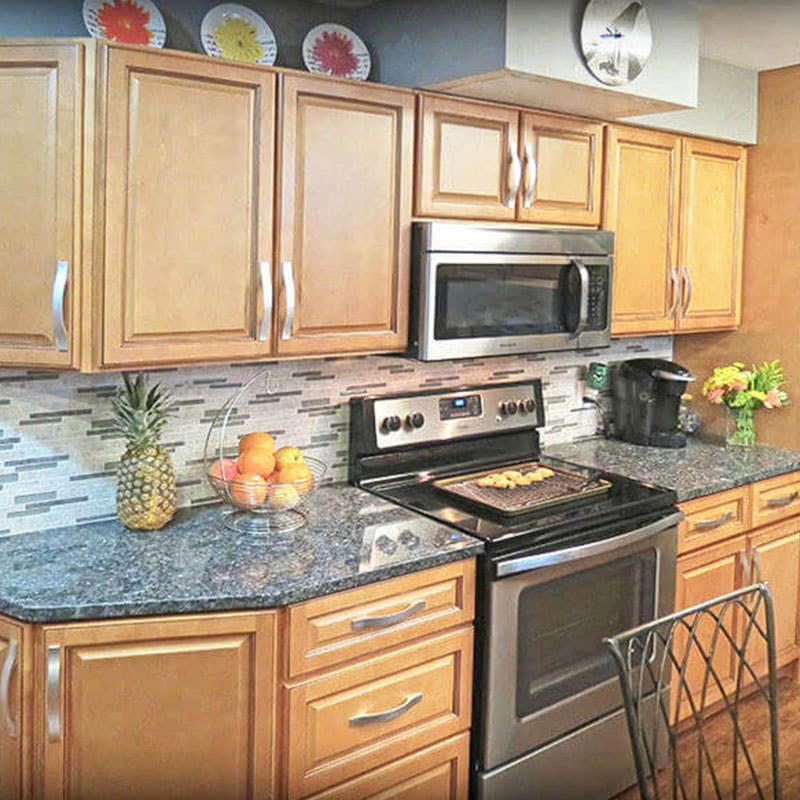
x: 521, y: 407
x: 530, y: 405
x: 511, y: 407
x: 415, y: 420
x: 393, y: 423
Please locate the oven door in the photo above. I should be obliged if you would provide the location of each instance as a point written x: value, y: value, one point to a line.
x: 548, y: 671
x: 497, y: 304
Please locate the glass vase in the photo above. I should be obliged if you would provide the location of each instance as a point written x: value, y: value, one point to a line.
x: 740, y: 429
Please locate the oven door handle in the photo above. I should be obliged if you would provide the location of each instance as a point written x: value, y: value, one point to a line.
x: 515, y: 566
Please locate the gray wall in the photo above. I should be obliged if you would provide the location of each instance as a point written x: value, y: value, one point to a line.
x: 290, y: 20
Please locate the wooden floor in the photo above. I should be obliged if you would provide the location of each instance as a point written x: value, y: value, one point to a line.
x: 751, y: 712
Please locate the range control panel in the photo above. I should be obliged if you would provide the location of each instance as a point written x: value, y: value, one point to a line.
x: 449, y: 414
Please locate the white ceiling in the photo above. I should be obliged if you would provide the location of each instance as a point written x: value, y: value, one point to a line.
x: 759, y: 34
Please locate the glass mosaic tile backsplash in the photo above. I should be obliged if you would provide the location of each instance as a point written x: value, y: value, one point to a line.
x: 58, y: 452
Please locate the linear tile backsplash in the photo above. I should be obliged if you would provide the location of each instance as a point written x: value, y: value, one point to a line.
x: 58, y: 452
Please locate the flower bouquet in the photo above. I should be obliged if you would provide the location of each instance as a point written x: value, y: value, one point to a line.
x: 742, y: 391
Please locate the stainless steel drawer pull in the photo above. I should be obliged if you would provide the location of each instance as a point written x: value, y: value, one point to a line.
x: 676, y: 292
x: 5, y: 681
x: 687, y: 279
x: 266, y: 301
x: 387, y: 716
x: 369, y: 623
x: 53, y: 693
x: 291, y: 300
x: 705, y: 524
x: 59, y: 291
x: 778, y: 502
x: 530, y: 176
x: 514, y: 177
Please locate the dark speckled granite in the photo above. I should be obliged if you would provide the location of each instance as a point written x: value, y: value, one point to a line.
x: 699, y: 468
x: 102, y: 570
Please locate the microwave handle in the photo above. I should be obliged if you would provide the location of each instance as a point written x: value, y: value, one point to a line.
x: 583, y: 310
x: 528, y: 563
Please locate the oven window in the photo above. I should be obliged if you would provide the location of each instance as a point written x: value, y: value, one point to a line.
x: 486, y: 300
x: 561, y: 625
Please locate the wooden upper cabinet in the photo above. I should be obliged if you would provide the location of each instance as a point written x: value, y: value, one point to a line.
x: 562, y: 166
x: 467, y: 154
x: 188, y: 217
x: 345, y: 178
x: 162, y: 708
x: 13, y: 722
x: 41, y: 96
x: 642, y: 198
x: 712, y: 227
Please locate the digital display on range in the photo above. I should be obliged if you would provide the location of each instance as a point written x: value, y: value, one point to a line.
x: 460, y: 407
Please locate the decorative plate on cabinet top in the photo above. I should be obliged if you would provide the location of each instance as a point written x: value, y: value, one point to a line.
x: 125, y: 21
x: 616, y: 39
x: 239, y: 34
x: 331, y: 49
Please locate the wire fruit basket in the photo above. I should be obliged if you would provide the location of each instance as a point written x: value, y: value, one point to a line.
x: 264, y: 503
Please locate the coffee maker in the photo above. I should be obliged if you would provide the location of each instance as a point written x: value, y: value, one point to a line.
x: 646, y: 397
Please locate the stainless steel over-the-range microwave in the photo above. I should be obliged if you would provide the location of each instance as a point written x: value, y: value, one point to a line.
x: 480, y: 290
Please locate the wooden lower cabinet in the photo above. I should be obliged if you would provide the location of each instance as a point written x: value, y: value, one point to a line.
x: 176, y: 708
x: 14, y: 721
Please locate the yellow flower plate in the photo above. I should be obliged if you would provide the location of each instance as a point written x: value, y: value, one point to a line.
x: 237, y: 33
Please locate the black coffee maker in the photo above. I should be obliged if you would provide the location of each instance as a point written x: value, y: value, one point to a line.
x: 647, y: 394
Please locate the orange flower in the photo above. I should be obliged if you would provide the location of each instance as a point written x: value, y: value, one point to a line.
x: 738, y: 384
x: 773, y: 399
x: 334, y: 53
x: 124, y: 21
x: 715, y: 395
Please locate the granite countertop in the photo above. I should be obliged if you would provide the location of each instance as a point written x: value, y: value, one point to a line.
x: 102, y: 570
x: 702, y: 467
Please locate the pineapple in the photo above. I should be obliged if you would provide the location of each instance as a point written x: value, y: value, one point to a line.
x: 145, y: 476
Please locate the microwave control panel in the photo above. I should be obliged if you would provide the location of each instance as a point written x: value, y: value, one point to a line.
x: 598, y: 300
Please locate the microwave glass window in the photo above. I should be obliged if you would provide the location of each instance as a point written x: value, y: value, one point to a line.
x: 500, y: 300
x: 561, y: 625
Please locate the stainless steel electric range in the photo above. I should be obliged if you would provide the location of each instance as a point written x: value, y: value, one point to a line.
x: 569, y: 558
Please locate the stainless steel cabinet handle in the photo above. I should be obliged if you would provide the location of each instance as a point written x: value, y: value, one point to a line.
x: 53, y: 693
x: 514, y: 176
x: 291, y: 299
x: 687, y: 279
x: 530, y: 176
x: 757, y: 564
x: 266, y: 300
x: 746, y: 567
x: 390, y: 714
x: 676, y: 291
x: 705, y: 524
x: 778, y: 502
x: 59, y: 291
x: 5, y: 681
x: 369, y: 623
x: 583, y: 312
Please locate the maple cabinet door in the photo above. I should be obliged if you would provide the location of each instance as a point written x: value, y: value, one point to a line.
x: 346, y: 164
x: 188, y: 209
x: 712, y: 227
x: 145, y: 710
x: 40, y: 93
x: 642, y: 198
x: 563, y: 164
x: 468, y: 163
x: 14, y: 730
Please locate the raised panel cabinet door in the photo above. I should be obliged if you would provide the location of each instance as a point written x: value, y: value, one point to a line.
x: 346, y: 174
x: 41, y: 97
x: 188, y: 209
x: 14, y: 731
x: 711, y: 235
x: 562, y: 170
x: 642, y: 196
x: 468, y: 163
x: 178, y: 708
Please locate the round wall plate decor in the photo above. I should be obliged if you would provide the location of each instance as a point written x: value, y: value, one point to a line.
x: 616, y: 39
x: 238, y: 33
x: 128, y: 21
x: 331, y: 49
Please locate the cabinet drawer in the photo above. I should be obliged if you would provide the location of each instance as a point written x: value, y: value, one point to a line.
x: 714, y: 518
x: 776, y: 498
x: 343, y: 626
x: 440, y: 772
x: 363, y: 716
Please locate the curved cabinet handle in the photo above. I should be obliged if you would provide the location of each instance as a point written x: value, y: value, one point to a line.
x: 370, y: 623
x: 676, y: 291
x: 706, y: 524
x: 291, y: 299
x: 530, y: 176
x: 757, y: 564
x: 53, y: 693
x: 779, y: 502
x: 265, y: 273
x: 389, y: 714
x: 514, y: 176
x: 745, y: 567
x: 59, y: 292
x: 687, y: 279
x: 5, y: 681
